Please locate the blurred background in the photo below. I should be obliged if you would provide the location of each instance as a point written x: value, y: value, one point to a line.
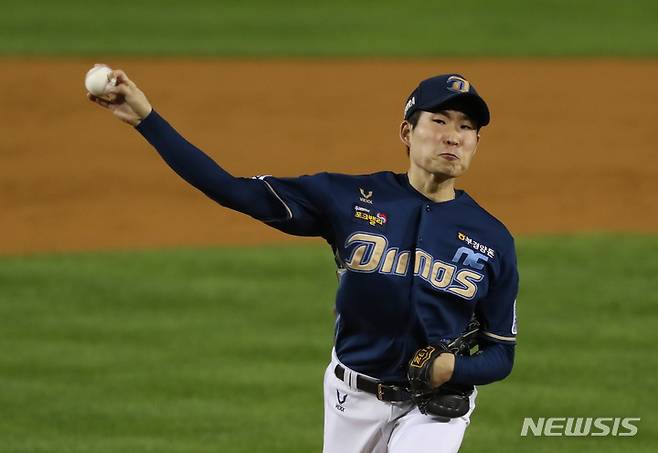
x: 137, y: 315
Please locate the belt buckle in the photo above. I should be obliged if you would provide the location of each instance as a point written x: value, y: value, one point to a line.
x: 380, y: 392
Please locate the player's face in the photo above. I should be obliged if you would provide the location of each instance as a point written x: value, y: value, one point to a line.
x: 441, y: 143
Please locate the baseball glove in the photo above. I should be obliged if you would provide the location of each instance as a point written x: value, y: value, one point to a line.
x: 449, y: 400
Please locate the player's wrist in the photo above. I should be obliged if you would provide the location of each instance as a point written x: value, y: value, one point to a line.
x: 143, y: 109
x: 143, y: 115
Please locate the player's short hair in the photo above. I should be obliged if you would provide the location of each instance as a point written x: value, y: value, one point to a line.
x: 413, y: 121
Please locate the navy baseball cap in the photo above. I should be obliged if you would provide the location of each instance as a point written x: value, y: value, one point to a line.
x: 448, y: 92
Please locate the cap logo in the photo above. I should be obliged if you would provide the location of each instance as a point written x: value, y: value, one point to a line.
x: 458, y: 84
x: 410, y: 104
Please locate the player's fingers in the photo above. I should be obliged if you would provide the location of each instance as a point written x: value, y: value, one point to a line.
x: 97, y: 100
x: 118, y: 73
x: 104, y: 97
x: 120, y: 89
x: 121, y: 77
x: 94, y: 97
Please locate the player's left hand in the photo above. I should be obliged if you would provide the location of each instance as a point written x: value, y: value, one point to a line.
x: 429, y: 371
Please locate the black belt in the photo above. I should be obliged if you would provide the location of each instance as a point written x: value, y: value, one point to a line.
x: 383, y: 392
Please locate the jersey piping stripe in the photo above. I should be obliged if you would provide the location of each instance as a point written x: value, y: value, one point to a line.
x: 498, y: 337
x: 262, y: 178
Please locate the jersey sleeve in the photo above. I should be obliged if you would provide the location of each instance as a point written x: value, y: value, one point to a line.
x: 304, y: 202
x: 497, y: 311
x: 291, y: 205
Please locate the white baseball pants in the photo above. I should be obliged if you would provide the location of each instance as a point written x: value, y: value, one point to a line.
x: 357, y: 422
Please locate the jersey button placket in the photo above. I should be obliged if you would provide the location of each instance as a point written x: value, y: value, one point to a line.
x: 428, y: 208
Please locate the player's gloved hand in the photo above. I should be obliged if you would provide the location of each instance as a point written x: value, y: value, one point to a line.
x: 445, y: 401
x: 421, y: 365
x: 125, y: 100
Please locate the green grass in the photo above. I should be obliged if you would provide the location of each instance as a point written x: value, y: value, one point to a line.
x: 224, y: 349
x: 340, y: 28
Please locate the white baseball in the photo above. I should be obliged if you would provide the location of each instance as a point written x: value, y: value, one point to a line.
x: 96, y: 80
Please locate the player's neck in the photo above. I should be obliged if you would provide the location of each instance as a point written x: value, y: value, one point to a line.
x: 437, y: 188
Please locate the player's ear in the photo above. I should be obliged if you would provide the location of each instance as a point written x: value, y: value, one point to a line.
x: 405, y: 133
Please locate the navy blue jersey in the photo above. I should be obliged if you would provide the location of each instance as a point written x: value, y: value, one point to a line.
x: 412, y: 271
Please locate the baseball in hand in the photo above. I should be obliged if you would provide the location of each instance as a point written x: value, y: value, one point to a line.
x: 96, y: 80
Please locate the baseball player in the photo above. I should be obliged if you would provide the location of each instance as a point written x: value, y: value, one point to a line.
x: 427, y: 278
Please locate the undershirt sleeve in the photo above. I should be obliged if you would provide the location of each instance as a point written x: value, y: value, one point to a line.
x: 492, y: 363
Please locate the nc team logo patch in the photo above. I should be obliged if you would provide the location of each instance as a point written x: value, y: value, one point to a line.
x: 378, y: 219
x: 458, y: 84
x: 422, y: 356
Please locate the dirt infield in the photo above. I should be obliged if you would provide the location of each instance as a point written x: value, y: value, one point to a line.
x: 571, y: 146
